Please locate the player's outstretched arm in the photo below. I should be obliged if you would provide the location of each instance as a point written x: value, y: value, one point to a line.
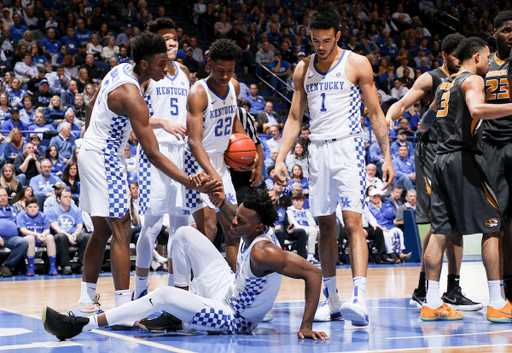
x: 197, y: 101
x: 292, y: 127
x: 267, y: 258
x: 421, y: 88
x: 473, y: 91
x: 364, y: 75
x: 126, y: 101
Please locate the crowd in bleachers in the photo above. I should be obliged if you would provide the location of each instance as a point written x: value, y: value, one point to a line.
x: 54, y: 54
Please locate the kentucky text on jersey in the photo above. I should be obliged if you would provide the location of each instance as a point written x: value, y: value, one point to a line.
x: 175, y: 91
x: 324, y: 86
x: 230, y: 109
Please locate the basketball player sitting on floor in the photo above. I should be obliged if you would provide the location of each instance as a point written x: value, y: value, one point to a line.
x: 224, y: 302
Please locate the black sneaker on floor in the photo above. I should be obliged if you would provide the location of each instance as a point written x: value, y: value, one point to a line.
x: 164, y: 323
x: 418, y: 298
x: 457, y: 300
x: 62, y: 326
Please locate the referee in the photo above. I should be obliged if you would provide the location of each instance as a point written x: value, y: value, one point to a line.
x: 245, y: 179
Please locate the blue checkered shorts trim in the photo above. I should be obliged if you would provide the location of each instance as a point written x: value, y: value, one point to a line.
x: 253, y: 287
x: 218, y: 320
x: 361, y: 154
x: 190, y: 166
x: 144, y: 176
x: 355, y: 111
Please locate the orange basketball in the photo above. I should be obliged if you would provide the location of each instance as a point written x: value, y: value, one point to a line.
x: 240, y: 152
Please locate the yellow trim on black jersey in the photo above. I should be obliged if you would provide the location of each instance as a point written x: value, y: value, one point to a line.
x: 473, y: 125
x: 489, y: 197
x: 498, y: 60
x: 445, y: 72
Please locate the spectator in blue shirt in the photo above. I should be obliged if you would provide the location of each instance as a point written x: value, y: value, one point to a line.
x: 16, y: 94
x: 69, y: 117
x: 40, y: 126
x: 389, y: 75
x: 257, y: 102
x: 391, y: 203
x: 13, y: 145
x: 9, y: 236
x: 35, y: 227
x: 27, y: 111
x: 42, y: 184
x: 389, y: 49
x: 51, y: 44
x: 68, y: 96
x: 67, y: 224
x: 18, y: 29
x: 400, y: 141
x: 82, y: 33
x: 15, y: 123
x: 123, y: 57
x: 64, y: 142
x: 70, y: 40
x: 57, y: 164
x: 405, y: 173
x: 59, y: 81
x: 281, y: 68
x: 54, y: 113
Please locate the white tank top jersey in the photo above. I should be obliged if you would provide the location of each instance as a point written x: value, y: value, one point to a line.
x: 334, y: 102
x: 251, y: 296
x: 167, y: 100
x: 218, y: 118
x: 109, y: 132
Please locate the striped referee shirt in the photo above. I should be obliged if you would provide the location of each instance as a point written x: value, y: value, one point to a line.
x: 248, y: 124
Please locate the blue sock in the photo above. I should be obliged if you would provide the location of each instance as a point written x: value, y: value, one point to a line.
x: 30, y: 260
x: 53, y: 260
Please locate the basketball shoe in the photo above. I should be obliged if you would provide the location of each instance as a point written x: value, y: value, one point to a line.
x: 354, y: 310
x: 418, y: 297
x: 444, y: 312
x: 457, y: 300
x: 62, y: 326
x: 86, y: 309
x: 330, y: 309
x: 164, y: 323
x: 503, y: 315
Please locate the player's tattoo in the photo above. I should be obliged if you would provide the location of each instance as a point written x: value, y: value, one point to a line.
x: 381, y: 132
x: 228, y: 210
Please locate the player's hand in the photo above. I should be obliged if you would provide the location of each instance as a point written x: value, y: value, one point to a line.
x: 389, y: 121
x: 249, y: 167
x: 256, y: 178
x: 307, y: 333
x: 199, y: 179
x: 175, y: 129
x: 388, y: 174
x: 281, y: 169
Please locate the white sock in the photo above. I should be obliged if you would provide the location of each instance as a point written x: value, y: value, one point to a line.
x: 497, y: 299
x: 141, y: 284
x: 330, y: 286
x: 93, y: 323
x: 87, y: 292
x: 122, y: 297
x: 359, y: 289
x: 310, y: 256
x: 170, y: 280
x: 433, y: 300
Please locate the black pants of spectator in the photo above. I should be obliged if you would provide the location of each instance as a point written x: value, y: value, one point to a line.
x: 298, y: 235
x: 373, y: 234
x: 162, y: 238
x: 62, y: 244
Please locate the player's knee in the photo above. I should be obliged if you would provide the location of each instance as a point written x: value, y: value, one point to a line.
x: 184, y: 233
x: 159, y: 296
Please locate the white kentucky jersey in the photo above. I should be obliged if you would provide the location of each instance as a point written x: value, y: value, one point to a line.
x: 252, y: 297
x: 167, y: 100
x: 218, y: 118
x: 108, y: 132
x: 334, y: 102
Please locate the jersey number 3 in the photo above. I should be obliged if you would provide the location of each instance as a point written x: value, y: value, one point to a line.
x: 445, y: 99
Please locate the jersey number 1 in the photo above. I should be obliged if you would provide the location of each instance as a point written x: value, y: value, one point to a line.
x: 323, y: 103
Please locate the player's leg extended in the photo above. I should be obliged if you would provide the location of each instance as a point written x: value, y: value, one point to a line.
x: 151, y: 226
x: 499, y: 309
x: 120, y: 255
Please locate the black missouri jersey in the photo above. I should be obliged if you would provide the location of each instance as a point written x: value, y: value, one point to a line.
x: 457, y: 130
x: 438, y: 76
x: 496, y: 92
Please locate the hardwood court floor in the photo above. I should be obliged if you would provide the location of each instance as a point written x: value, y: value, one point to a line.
x: 394, y: 324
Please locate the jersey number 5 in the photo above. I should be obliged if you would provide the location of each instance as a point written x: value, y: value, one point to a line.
x: 223, y: 127
x: 445, y: 99
x: 174, y: 106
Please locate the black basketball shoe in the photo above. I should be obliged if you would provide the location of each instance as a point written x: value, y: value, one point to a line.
x: 457, y: 300
x: 62, y: 326
x: 164, y: 323
x: 418, y: 297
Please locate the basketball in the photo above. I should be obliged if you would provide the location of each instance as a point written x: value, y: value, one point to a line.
x: 240, y: 152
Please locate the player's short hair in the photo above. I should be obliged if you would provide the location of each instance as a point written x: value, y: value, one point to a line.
x: 224, y: 49
x: 159, y: 24
x: 502, y: 17
x: 450, y: 43
x: 147, y: 45
x: 323, y: 17
x: 260, y: 202
x: 31, y: 200
x: 469, y: 47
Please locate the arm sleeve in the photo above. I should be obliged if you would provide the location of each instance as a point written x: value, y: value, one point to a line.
x: 428, y: 118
